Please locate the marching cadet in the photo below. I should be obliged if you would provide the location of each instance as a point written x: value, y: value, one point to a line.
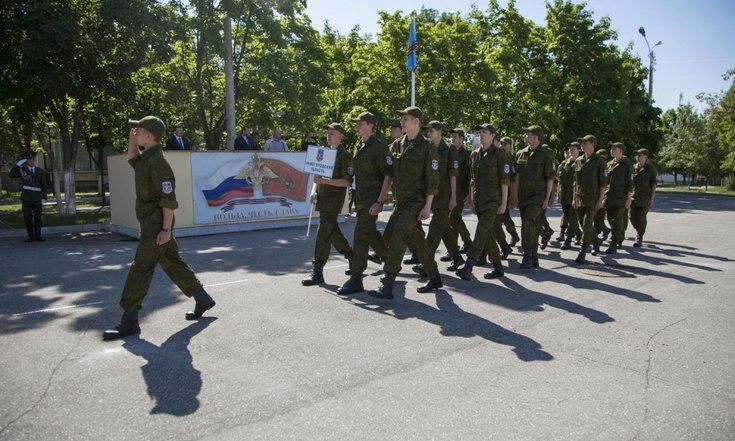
x: 590, y: 182
x: 154, y: 207
x: 536, y: 170
x: 600, y: 224
x: 416, y: 183
x: 506, y: 219
x: 545, y: 230
x: 563, y: 221
x: 329, y: 199
x: 490, y: 171
x: 373, y: 167
x: 619, y: 194
x: 32, y: 194
x: 644, y: 192
x: 566, y: 196
x: 462, y: 192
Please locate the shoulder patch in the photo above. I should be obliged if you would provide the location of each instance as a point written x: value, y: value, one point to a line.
x: 456, y: 164
x: 434, y: 164
x: 506, y: 169
x: 167, y: 187
x: 389, y: 160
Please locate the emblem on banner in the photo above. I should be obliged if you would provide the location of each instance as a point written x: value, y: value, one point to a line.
x: 320, y: 155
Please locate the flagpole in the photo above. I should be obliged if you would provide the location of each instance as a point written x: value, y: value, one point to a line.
x: 413, y: 88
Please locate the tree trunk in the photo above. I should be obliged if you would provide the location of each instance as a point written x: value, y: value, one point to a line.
x: 47, y: 147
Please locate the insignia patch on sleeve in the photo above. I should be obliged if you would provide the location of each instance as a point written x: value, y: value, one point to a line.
x: 553, y: 166
x: 506, y: 169
x: 167, y: 187
x: 350, y: 171
x: 456, y: 164
x: 434, y: 164
x: 389, y: 160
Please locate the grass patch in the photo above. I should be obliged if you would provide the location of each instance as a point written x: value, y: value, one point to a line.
x: 12, y: 216
x: 695, y: 190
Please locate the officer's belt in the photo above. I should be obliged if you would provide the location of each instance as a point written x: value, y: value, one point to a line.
x: 28, y: 187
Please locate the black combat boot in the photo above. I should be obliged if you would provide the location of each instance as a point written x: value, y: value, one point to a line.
x: 497, y: 271
x: 419, y: 269
x: 385, y: 290
x: 434, y: 282
x: 373, y: 257
x: 204, y: 302
x: 37, y: 231
x: 582, y: 256
x: 534, y: 258
x: 30, y: 231
x: 457, y: 261
x: 446, y: 258
x: 465, y: 246
x: 128, y: 326
x: 527, y: 261
x: 546, y: 237
x: 596, y: 246
x: 567, y: 243
x: 562, y: 235
x: 638, y: 241
x: 352, y: 286
x: 465, y: 273
x: 612, y: 249
x: 514, y: 238
x: 316, y: 277
x: 413, y: 260
x: 505, y: 252
x: 348, y: 271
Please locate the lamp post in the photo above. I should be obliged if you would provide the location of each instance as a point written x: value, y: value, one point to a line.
x: 651, y: 63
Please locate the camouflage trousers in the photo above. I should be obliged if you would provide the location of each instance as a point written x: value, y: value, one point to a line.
x: 403, y: 231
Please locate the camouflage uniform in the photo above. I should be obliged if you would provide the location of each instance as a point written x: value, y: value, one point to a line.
x: 329, y: 202
x: 619, y: 174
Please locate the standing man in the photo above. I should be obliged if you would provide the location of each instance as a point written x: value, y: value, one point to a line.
x: 505, y: 219
x: 276, y: 143
x: 644, y: 193
x: 32, y: 194
x: 178, y: 142
x: 462, y: 187
x: 535, y: 167
x: 590, y: 182
x: 154, y: 207
x: 490, y: 169
x: 416, y: 184
x: 243, y: 142
x: 570, y: 227
x: 373, y: 166
x: 619, y: 194
x: 329, y: 199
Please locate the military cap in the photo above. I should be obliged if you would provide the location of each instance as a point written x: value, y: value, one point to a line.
x: 151, y: 123
x: 506, y: 140
x: 457, y: 130
x: 367, y: 117
x: 536, y: 130
x: 28, y: 155
x: 588, y: 138
x: 618, y: 145
x: 642, y: 152
x: 486, y: 126
x: 413, y: 111
x: 395, y: 123
x: 601, y: 152
x: 435, y: 125
x: 575, y: 145
x: 336, y: 126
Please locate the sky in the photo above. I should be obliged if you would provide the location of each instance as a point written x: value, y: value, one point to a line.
x: 697, y: 37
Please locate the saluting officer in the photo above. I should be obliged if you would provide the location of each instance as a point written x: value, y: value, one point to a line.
x: 590, y: 182
x: 490, y: 169
x: 416, y: 184
x: 329, y: 199
x: 619, y: 194
x: 462, y: 187
x: 154, y: 207
x: 570, y: 228
x: 536, y: 169
x: 373, y: 166
x: 644, y: 192
x: 32, y: 194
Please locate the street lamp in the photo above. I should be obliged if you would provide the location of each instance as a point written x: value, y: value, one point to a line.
x: 651, y: 63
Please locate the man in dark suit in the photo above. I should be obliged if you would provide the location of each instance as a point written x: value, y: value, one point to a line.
x: 33, y: 193
x: 243, y: 142
x: 178, y: 142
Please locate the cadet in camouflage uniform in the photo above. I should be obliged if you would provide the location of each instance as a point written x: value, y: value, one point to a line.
x: 545, y: 231
x: 506, y: 219
x: 462, y: 192
x: 416, y: 184
x: 563, y: 221
x: 619, y: 194
x: 566, y: 196
x: 600, y: 224
x: 32, y: 193
x: 329, y: 199
x: 644, y: 193
x: 535, y: 168
x: 590, y: 181
x: 446, y: 199
x: 373, y: 166
x: 154, y: 207
x: 490, y: 171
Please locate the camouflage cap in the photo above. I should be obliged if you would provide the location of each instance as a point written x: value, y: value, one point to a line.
x: 601, y: 152
x: 486, y: 126
x: 395, y: 123
x: 618, y: 145
x: 457, y: 130
x: 574, y: 145
x: 535, y: 130
x: 437, y: 125
x: 642, y: 152
x: 336, y: 126
x: 152, y: 124
x: 413, y: 111
x: 506, y: 140
x: 367, y: 117
x: 591, y: 138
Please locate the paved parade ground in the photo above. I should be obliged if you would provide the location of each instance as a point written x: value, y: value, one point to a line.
x: 635, y: 346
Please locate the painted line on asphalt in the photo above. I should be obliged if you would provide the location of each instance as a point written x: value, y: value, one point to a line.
x: 226, y: 283
x: 54, y: 309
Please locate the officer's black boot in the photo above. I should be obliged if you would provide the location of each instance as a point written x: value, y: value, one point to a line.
x: 419, y: 269
x: 316, y: 277
x: 204, y: 302
x: 534, y: 258
x: 562, y: 234
x: 596, y: 246
x: 465, y: 246
x: 567, y: 243
x: 434, y: 282
x: 29, y: 230
x: 482, y: 260
x: 457, y: 261
x: 465, y: 273
x: 546, y: 237
x: 385, y: 290
x: 514, y: 238
x: 527, y: 261
x: 505, y: 252
x: 412, y: 261
x: 582, y: 256
x: 638, y: 241
x: 496, y: 272
x: 348, y: 271
x: 352, y: 286
x: 612, y: 249
x: 446, y: 258
x: 128, y: 326
x: 37, y: 231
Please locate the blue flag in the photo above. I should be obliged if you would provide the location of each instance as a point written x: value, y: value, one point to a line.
x: 412, y: 46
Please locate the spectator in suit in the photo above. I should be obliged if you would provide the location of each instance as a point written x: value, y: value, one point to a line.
x: 244, y: 141
x: 276, y: 143
x: 255, y: 139
x: 178, y: 142
x: 307, y: 141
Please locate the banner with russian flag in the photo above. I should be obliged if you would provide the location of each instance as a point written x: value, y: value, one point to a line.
x: 246, y: 185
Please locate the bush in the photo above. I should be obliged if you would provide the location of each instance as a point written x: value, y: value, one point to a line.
x: 730, y: 183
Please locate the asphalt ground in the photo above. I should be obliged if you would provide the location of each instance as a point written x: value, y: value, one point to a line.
x: 635, y: 346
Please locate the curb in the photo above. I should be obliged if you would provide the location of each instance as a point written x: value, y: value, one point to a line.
x: 17, y: 232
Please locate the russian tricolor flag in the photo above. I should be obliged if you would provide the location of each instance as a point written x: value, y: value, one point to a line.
x: 224, y: 187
